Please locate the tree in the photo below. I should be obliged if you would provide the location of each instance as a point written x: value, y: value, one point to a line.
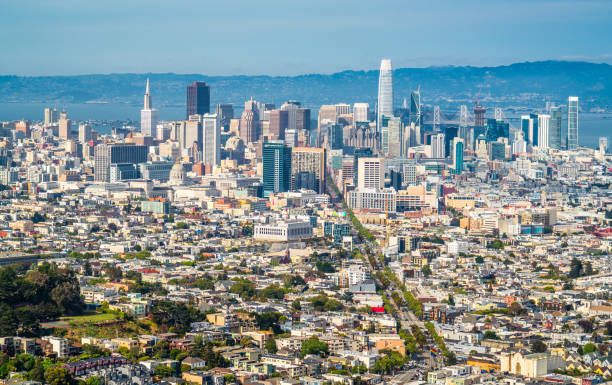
x: 586, y: 325
x: 296, y: 305
x: 314, y: 346
x: 37, y: 373
x: 538, y: 347
x: 479, y: 260
x: 244, y: 288
x: 273, y: 291
x: 589, y: 348
x: 426, y: 270
x: 56, y: 375
x: 608, y: 326
x: 270, y: 346
x: 516, y: 309
x: 163, y: 371
x: 575, y: 268
x: 113, y: 273
x: 490, y: 335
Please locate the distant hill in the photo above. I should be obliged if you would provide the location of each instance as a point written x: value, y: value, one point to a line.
x: 520, y: 84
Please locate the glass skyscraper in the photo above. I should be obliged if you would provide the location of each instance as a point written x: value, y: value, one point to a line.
x: 385, y: 92
x: 415, y: 107
x: 276, y: 168
x: 554, y: 133
x: 572, y: 123
x: 198, y: 99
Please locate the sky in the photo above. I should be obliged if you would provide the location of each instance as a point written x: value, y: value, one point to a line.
x: 287, y: 37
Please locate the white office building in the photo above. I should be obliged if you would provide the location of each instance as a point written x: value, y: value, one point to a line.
x: 211, y: 139
x: 282, y: 231
x: 148, y: 115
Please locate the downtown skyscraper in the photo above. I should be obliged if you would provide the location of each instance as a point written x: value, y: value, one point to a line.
x: 148, y: 115
x: 198, y: 99
x: 572, y: 123
x: 385, y: 92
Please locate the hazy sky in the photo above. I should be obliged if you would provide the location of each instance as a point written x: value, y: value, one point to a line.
x: 279, y: 37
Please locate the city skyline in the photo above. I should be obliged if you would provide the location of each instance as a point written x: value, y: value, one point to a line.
x: 340, y: 28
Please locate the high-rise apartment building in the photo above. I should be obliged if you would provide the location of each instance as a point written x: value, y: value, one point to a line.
x: 198, y: 99
x: 458, y: 148
x: 276, y: 168
x: 555, y: 130
x: 211, y: 139
x: 84, y: 133
x: 529, y: 126
x: 148, y: 115
x: 437, y: 146
x: 361, y: 112
x: 51, y: 116
x: 371, y: 173
x: 385, y: 92
x: 572, y: 123
x: 311, y: 161
x: 124, y: 153
x: 395, y: 132
x: 543, y: 131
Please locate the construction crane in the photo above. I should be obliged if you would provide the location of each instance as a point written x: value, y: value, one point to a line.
x: 477, y: 96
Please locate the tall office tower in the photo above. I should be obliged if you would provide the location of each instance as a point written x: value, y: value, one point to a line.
x: 497, y: 129
x: 529, y: 126
x: 371, y: 173
x: 327, y: 114
x: 226, y: 113
x: 572, y: 123
x: 84, y: 133
x: 23, y: 126
x: 249, y: 126
x: 415, y: 107
x: 543, y: 131
x: 395, y: 129
x: 336, y: 137
x: 190, y: 132
x: 343, y: 109
x: 148, y: 115
x: 279, y: 123
x: 276, y: 168
x: 51, y: 116
x: 361, y: 112
x: 554, y: 133
x: 497, y: 151
x: 264, y: 109
x: 198, y: 99
x: 291, y: 137
x: 385, y: 92
x: 211, y: 139
x: 311, y: 161
x: 65, y: 126
x: 364, y: 152
x: 384, y: 134
x: 458, y: 147
x: 437, y: 146
x: 292, y: 108
x: 302, y: 119
x: 107, y: 154
x: 603, y: 144
x: 479, y: 116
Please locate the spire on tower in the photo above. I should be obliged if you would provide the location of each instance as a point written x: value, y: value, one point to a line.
x: 147, y: 97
